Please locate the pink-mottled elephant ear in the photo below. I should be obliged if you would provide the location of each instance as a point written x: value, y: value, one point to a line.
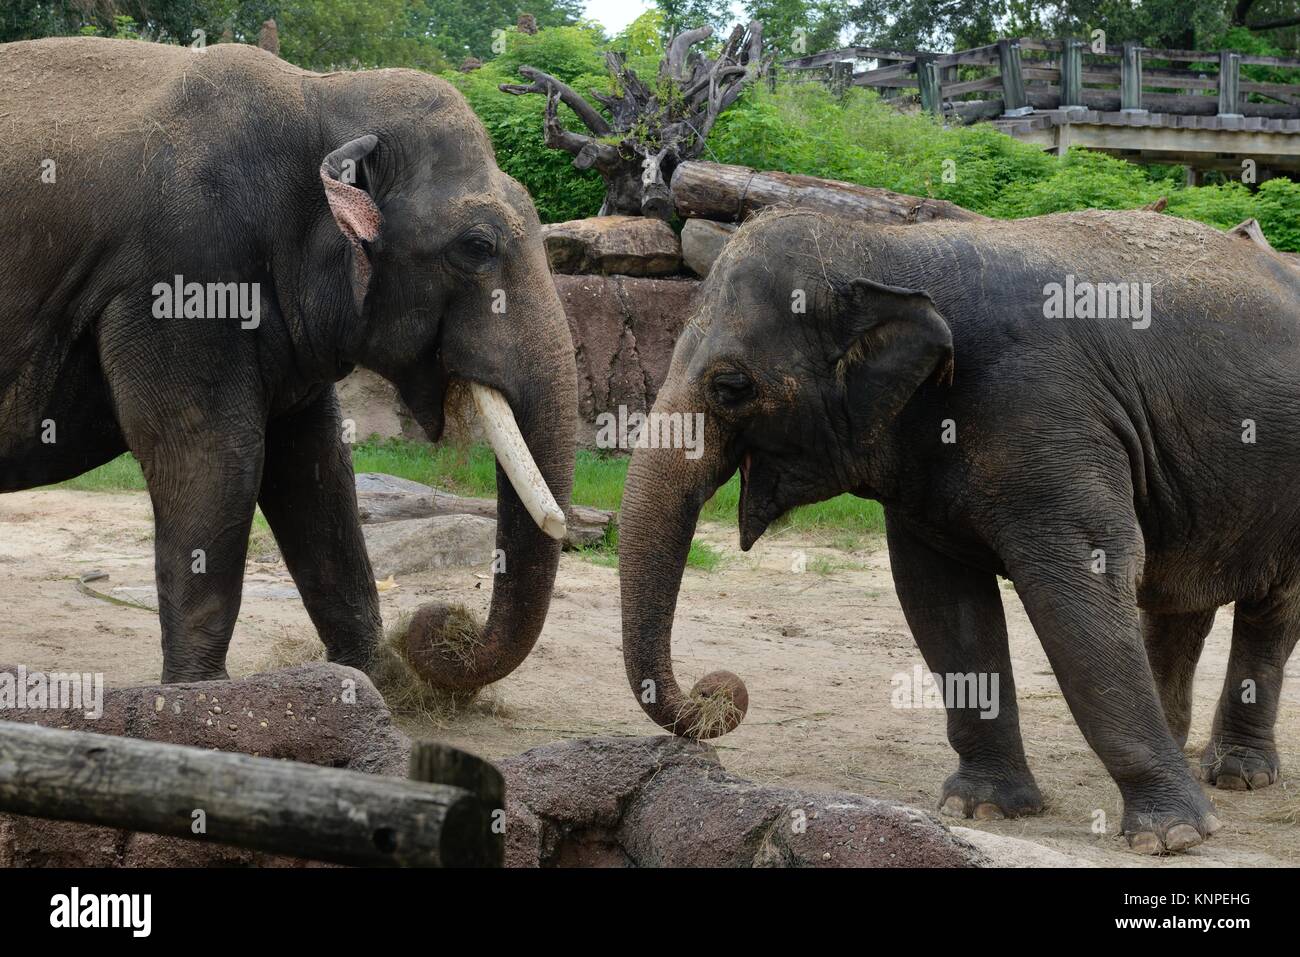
x: 355, y: 212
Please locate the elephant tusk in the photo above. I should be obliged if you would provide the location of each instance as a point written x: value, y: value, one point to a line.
x: 512, y: 453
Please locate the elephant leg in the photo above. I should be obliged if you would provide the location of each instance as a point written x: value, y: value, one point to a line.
x: 1077, y: 575
x: 204, y: 489
x: 955, y: 613
x: 1242, y: 753
x: 1174, y: 644
x: 309, y: 498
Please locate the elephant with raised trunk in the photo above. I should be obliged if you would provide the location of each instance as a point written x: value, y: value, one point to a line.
x: 1102, y: 407
x: 197, y: 245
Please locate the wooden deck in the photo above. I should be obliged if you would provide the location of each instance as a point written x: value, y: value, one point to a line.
x: 1190, y: 107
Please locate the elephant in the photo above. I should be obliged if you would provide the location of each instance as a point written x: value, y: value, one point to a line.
x: 198, y: 244
x: 1101, y: 407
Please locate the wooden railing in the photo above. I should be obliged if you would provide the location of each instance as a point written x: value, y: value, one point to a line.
x: 1012, y: 77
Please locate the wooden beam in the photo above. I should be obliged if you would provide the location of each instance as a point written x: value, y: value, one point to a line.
x: 1130, y: 81
x: 1229, y: 83
x: 283, y: 807
x: 1072, y: 73
x: 1013, y: 83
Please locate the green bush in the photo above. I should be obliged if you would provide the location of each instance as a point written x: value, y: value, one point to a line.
x: 803, y: 128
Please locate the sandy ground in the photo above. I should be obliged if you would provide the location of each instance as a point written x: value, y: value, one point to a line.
x: 817, y: 650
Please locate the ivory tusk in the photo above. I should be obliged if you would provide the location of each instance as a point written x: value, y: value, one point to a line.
x: 512, y: 453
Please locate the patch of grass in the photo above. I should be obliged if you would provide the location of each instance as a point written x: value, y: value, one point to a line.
x: 120, y: 475
x: 704, y: 556
x: 598, y: 482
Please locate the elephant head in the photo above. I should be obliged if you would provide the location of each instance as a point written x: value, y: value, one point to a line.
x: 432, y: 261
x: 799, y: 364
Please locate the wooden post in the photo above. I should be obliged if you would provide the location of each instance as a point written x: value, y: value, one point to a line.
x: 927, y: 78
x: 282, y: 807
x: 1072, y: 74
x: 1130, y: 80
x: 1229, y: 83
x: 1013, y: 82
x: 841, y: 76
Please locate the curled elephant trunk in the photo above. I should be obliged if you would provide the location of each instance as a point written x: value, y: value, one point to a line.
x: 534, y: 479
x: 661, y: 505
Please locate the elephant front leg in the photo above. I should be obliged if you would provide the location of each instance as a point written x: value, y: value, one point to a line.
x: 955, y: 613
x: 1078, y: 584
x: 203, y: 493
x: 309, y: 498
x: 1242, y: 753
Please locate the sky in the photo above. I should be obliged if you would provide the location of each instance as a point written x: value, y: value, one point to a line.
x: 614, y: 15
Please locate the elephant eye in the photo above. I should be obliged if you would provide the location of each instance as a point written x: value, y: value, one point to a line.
x: 732, y: 388
x: 477, y: 248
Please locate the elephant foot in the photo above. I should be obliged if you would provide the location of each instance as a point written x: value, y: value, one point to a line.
x: 1235, y: 767
x: 1167, y: 826
x: 987, y: 797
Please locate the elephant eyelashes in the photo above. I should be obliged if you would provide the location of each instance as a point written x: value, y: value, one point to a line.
x: 732, y: 388
x: 476, y: 250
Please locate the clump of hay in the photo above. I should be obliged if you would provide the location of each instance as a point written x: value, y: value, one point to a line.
x: 716, y: 705
x: 401, y: 669
x: 393, y: 671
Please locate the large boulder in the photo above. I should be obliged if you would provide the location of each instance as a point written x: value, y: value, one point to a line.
x: 610, y: 245
x: 624, y: 330
x: 702, y: 242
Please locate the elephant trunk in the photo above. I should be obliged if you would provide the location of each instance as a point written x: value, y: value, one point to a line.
x: 661, y: 505
x: 445, y: 645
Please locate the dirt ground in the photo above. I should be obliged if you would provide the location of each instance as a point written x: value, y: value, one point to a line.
x: 817, y: 650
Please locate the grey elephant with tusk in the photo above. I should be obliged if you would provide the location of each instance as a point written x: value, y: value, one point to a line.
x: 1102, y: 407
x: 198, y: 245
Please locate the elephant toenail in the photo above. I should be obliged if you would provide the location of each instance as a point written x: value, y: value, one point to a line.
x: 1212, y: 823
x: 1261, y: 779
x: 1145, y: 842
x: 953, y: 807
x: 1182, y: 836
x: 988, y: 812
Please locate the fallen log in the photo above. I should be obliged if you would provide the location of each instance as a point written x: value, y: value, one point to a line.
x: 585, y: 526
x: 283, y: 807
x: 733, y: 193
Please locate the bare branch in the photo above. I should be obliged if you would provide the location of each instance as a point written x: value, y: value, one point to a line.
x: 543, y: 83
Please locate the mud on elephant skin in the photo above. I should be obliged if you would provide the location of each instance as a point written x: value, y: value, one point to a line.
x: 1097, y: 463
x: 324, y: 221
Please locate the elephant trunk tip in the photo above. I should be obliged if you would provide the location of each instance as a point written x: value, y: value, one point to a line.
x: 716, y: 706
x: 444, y: 646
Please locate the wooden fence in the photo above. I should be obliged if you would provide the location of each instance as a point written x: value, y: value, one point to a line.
x: 1015, y: 76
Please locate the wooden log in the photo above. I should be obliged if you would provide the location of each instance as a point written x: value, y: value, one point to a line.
x: 585, y: 526
x: 283, y: 807
x: 733, y: 193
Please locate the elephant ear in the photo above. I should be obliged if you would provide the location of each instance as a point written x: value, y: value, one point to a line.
x: 354, y: 211
x: 888, y: 341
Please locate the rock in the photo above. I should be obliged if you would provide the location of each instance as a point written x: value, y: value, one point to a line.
x: 702, y: 242
x: 322, y: 714
x: 609, y: 245
x: 370, y: 403
x: 387, y: 498
x: 380, y: 482
x: 419, y: 544
x: 624, y: 330
x: 667, y: 802
x: 470, y: 64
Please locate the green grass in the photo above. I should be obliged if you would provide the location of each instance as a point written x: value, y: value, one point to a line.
x: 844, y: 521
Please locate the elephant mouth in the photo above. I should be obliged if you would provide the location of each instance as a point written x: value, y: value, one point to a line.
x: 758, y: 507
